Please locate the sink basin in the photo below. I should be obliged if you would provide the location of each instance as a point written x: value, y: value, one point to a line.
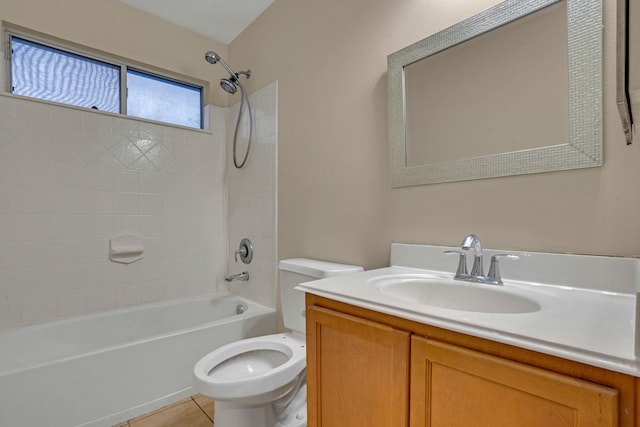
x: 456, y: 295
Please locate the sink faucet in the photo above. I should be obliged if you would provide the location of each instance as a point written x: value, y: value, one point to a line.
x: 477, y: 271
x: 474, y: 241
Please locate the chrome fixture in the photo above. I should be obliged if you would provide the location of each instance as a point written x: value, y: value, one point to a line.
x: 231, y: 86
x: 494, y: 268
x: 474, y: 241
x: 242, y: 277
x: 241, y: 308
x: 461, y: 271
x: 245, y: 250
x: 477, y: 271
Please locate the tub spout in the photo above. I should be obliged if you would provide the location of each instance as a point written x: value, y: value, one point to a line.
x: 243, y: 277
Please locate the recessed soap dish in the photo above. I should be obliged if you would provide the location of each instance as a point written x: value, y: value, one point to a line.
x: 126, y: 248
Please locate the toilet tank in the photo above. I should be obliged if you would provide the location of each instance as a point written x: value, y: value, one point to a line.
x: 299, y: 270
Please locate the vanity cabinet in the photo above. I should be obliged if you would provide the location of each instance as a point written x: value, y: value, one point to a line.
x: 366, y: 368
x: 454, y: 386
x: 359, y: 371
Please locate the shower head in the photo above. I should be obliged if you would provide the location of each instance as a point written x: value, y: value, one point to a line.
x: 229, y: 85
x: 213, y: 58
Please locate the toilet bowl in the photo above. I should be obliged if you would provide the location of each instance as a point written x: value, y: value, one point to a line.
x: 253, y: 371
x: 261, y: 382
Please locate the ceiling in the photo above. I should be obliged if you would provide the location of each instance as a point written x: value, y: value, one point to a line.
x: 221, y: 20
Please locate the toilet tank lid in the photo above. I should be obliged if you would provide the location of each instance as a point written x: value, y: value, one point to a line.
x: 315, y: 268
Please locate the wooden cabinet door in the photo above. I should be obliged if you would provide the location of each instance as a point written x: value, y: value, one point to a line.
x: 456, y: 387
x: 357, y: 371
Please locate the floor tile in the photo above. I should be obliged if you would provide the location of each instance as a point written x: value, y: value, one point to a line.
x: 205, y: 403
x: 185, y: 413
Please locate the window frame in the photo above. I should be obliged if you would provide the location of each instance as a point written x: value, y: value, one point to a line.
x: 123, y: 65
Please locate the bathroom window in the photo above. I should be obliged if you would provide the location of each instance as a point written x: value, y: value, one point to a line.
x: 157, y: 98
x: 53, y: 73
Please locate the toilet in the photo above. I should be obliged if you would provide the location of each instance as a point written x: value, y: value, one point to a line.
x: 261, y: 382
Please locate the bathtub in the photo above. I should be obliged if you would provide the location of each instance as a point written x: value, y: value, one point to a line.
x: 100, y: 369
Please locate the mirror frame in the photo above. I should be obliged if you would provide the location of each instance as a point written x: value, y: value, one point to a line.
x: 622, y: 65
x: 628, y: 105
x: 584, y: 147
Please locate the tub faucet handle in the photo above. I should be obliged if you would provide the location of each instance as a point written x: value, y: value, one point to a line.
x: 245, y: 251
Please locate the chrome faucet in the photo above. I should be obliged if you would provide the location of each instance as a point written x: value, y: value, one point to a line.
x: 474, y: 241
x: 243, y: 277
x: 477, y: 271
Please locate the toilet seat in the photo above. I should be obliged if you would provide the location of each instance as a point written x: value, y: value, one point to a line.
x: 254, y: 370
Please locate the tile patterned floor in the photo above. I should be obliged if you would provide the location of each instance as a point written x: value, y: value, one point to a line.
x: 196, y: 411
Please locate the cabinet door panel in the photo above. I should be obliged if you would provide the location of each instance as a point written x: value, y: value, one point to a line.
x: 455, y: 387
x: 357, y: 371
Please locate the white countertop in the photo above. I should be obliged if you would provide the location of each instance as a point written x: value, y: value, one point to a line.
x: 596, y: 327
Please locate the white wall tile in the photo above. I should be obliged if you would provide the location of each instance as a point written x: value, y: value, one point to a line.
x: 35, y: 201
x: 71, y: 302
x: 37, y: 308
x: 33, y: 173
x: 98, y: 202
x: 10, y: 310
x: 67, y: 176
x: 8, y: 172
x: 97, y: 178
x: 150, y: 204
x: 98, y: 226
x: 150, y: 182
x: 68, y: 201
x: 126, y: 224
x: 101, y: 298
x: 150, y: 225
x: 9, y: 254
x: 95, y: 123
x: 125, y: 180
x: 126, y: 203
x: 125, y: 127
x: 71, y: 179
x: 252, y: 200
x: 9, y: 200
x: 66, y: 227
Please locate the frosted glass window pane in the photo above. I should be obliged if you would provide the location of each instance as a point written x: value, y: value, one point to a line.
x: 54, y: 75
x: 155, y: 98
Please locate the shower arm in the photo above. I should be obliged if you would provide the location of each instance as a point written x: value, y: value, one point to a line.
x: 244, y: 73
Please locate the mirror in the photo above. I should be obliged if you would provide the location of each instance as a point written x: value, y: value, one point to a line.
x: 515, y: 89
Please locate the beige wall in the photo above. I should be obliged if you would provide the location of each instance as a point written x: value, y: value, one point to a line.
x: 117, y: 29
x: 335, y: 202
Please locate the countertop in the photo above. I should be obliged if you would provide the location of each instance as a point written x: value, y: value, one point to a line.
x: 596, y: 327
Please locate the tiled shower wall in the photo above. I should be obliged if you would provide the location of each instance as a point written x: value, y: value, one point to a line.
x: 252, y: 197
x: 70, y: 179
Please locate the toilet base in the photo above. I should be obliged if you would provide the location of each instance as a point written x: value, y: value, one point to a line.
x: 229, y: 414
x: 289, y: 411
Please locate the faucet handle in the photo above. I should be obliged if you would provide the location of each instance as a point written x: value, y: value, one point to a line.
x: 494, y: 268
x: 462, y: 262
x: 245, y: 251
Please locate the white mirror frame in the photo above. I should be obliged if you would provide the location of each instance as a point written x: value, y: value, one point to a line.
x: 628, y: 64
x: 584, y: 147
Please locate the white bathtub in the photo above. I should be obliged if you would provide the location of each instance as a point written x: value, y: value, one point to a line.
x: 101, y: 369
